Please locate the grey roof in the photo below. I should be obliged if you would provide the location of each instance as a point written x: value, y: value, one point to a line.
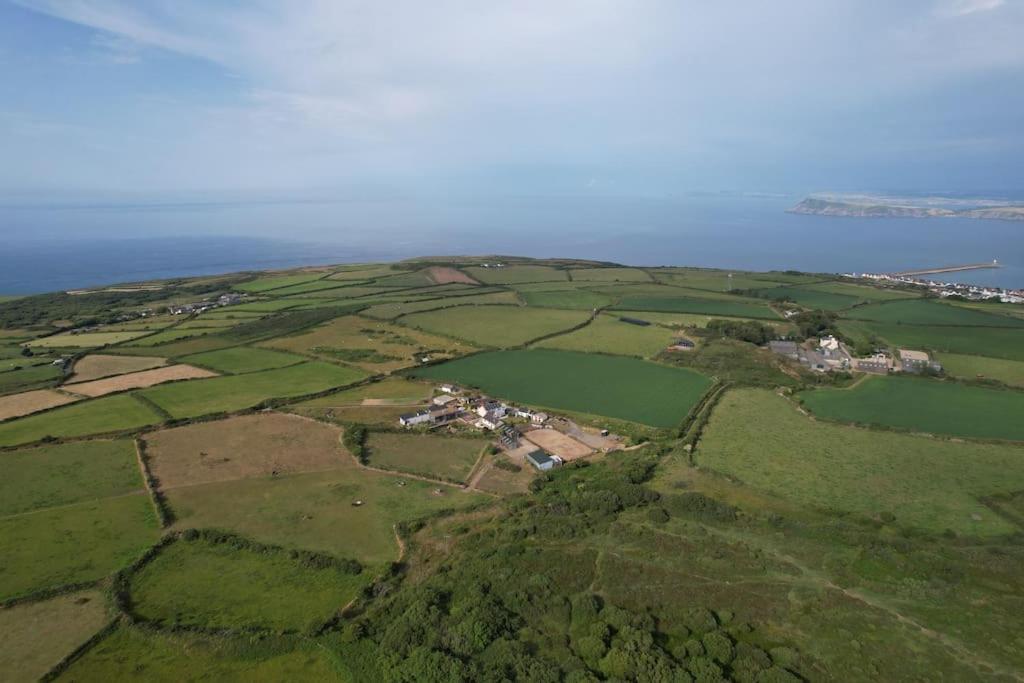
x: 538, y: 457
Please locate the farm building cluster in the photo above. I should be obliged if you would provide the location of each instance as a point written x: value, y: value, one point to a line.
x: 229, y: 299
x: 829, y: 354
x: 530, y: 436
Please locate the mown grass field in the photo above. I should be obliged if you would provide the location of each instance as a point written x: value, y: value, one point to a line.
x: 861, y: 292
x: 924, y: 405
x: 385, y: 416
x: 241, y: 447
x: 134, y: 654
x: 442, y: 457
x: 214, y: 585
x: 687, y: 304
x: 515, y: 274
x: 762, y: 440
x: 617, y: 387
x: 927, y: 312
x: 608, y: 334
x: 497, y: 326
x: 578, y: 299
x: 315, y: 511
x: 83, y: 340
x: 979, y: 367
x: 23, y: 376
x: 36, y: 636
x: 95, y: 366
x: 98, y: 416
x: 52, y: 547
x: 65, y: 474
x: 159, y: 339
x: 994, y: 342
x: 28, y: 402
x: 264, y: 284
x: 236, y: 392
x: 243, y: 359
x: 371, y: 344
x: 138, y: 380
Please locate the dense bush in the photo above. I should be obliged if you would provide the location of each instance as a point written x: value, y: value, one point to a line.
x: 354, y: 439
x: 743, y: 330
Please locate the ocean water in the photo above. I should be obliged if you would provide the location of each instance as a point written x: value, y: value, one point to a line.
x: 51, y: 248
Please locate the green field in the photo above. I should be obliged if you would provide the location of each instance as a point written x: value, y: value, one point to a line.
x: 498, y: 326
x: 924, y: 405
x: 861, y: 292
x: 64, y: 474
x: 762, y: 440
x: 971, y: 367
x: 510, y: 275
x: 132, y: 654
x: 608, y: 334
x: 75, y: 543
x: 264, y: 284
x: 314, y: 511
x: 686, y: 304
x: 229, y: 393
x: 448, y: 458
x: 394, y: 309
x: 581, y: 299
x: 414, y: 278
x: 393, y: 389
x: 171, y: 335
x: 995, y: 342
x: 810, y: 298
x: 609, y: 275
x: 215, y: 585
x: 242, y: 359
x: 617, y: 387
x: 37, y: 635
x: 100, y: 416
x: 924, y: 312
x: 27, y: 376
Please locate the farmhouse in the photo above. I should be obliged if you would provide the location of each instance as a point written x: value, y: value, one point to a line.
x: 444, y: 400
x: 539, y: 418
x: 542, y: 461
x: 490, y: 406
x: 879, y: 364
x: 450, y: 388
x: 489, y: 421
x: 913, y: 361
x: 412, y: 419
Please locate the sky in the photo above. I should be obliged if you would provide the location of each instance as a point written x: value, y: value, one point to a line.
x: 192, y: 98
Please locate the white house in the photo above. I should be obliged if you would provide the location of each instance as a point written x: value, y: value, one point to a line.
x: 411, y: 419
x: 444, y: 400
x: 539, y: 418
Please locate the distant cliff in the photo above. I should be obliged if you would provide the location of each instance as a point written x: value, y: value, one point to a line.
x: 867, y: 209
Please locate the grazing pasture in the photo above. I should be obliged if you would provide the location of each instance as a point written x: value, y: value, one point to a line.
x: 315, y: 511
x: 616, y: 387
x: 215, y: 585
x: 395, y: 309
x: 994, y: 342
x: 971, y: 367
x: 411, y: 278
x: 171, y: 335
x: 265, y: 284
x: 442, y: 457
x: 86, y: 541
x: 812, y: 298
x: 237, y: 392
x: 688, y: 304
x: 242, y: 447
x: 318, y: 288
x: 392, y: 390
x: 84, y: 340
x: 578, y: 299
x: 99, y: 416
x: 181, y: 347
x: 138, y: 380
x: 385, y: 416
x: 926, y: 312
x: 366, y: 272
x: 861, y: 292
x: 762, y: 440
x: 133, y: 653
x: 506, y: 483
x: 28, y: 402
x: 510, y: 275
x: 608, y: 334
x: 242, y: 359
x: 713, y: 280
x: 498, y: 326
x: 38, y: 635
x: 64, y: 474
x: 25, y: 376
x: 370, y: 344
x: 609, y: 275
x: 695, y: 319
x: 924, y: 405
x: 98, y: 365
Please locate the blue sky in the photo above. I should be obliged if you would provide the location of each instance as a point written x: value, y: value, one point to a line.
x: 174, y: 98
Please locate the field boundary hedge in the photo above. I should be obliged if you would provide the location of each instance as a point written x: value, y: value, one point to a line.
x: 60, y: 667
x: 164, y: 514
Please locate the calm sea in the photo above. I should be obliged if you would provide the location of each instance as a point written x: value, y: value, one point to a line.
x: 47, y: 249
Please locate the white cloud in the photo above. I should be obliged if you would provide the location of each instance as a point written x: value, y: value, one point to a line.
x: 960, y: 8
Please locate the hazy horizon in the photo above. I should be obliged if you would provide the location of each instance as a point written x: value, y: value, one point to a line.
x: 112, y: 102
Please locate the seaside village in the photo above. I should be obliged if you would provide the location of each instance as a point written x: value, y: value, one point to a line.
x: 526, y: 436
x: 829, y: 354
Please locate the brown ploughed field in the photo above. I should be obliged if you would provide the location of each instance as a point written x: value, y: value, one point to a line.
x: 137, y: 380
x: 28, y: 402
x: 442, y: 275
x: 95, y: 366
